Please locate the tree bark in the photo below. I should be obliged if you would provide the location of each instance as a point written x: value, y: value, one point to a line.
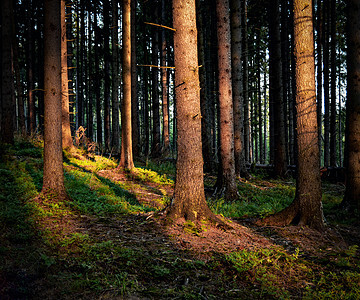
x: 276, y: 90
x: 67, y: 142
x: 189, y: 201
x: 126, y: 158
x: 237, y: 83
x: 306, y: 208
x: 326, y: 85
x: 115, y: 142
x: 333, y: 132
x: 107, y: 62
x: 156, y: 137
x: 53, y: 181
x: 7, y: 89
x: 228, y: 186
x: 164, y: 81
x: 352, y: 130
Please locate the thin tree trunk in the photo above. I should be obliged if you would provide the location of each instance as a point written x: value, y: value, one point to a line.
x: 228, y: 186
x: 276, y: 90
x: 7, y: 90
x: 89, y: 70
x: 126, y: 158
x: 326, y: 86
x: 156, y: 142
x: 115, y: 79
x: 319, y: 92
x: 237, y: 82
x: 245, y: 56
x: 134, y: 98
x: 333, y: 132
x: 31, y: 114
x: 65, y: 117
x: 107, y: 62
x: 164, y: 80
x: 97, y: 81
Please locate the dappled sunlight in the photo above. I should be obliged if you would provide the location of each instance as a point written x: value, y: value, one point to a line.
x: 111, y: 239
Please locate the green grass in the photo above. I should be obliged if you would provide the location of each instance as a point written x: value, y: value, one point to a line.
x: 46, y: 244
x: 255, y: 200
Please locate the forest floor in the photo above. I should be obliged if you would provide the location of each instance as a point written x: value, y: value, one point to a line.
x: 109, y: 239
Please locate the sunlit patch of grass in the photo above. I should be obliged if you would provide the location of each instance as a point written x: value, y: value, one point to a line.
x: 145, y: 175
x: 272, y: 269
x: 94, y: 194
x: 167, y: 167
x: 76, y: 157
x: 255, y: 199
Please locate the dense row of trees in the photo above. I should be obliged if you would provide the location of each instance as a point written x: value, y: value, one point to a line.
x: 243, y: 90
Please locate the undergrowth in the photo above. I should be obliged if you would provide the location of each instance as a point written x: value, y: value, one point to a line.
x: 78, y: 248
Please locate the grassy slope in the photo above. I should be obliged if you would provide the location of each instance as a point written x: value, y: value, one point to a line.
x: 100, y: 243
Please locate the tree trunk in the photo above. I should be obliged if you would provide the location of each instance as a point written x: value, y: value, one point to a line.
x: 228, y: 187
x: 53, y: 181
x: 319, y: 93
x: 134, y: 97
x: 245, y: 54
x: 333, y: 133
x: 67, y: 142
x: 189, y: 201
x: 164, y: 81
x: 237, y: 82
x: 115, y: 80
x: 107, y: 62
x: 156, y: 142
x: 306, y: 208
x: 276, y: 90
x: 326, y: 86
x: 126, y: 158
x: 7, y: 90
x: 89, y: 70
x: 31, y: 113
x: 352, y: 133
x: 97, y: 76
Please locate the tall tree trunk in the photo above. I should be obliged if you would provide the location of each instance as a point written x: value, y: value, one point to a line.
x: 306, y: 209
x: 107, y: 62
x: 89, y: 70
x: 31, y: 113
x: 21, y: 125
x: 333, y: 132
x: 134, y: 97
x: 206, y: 91
x: 115, y: 79
x: 352, y: 133
x: 80, y: 67
x: 189, y: 201
x: 156, y: 142
x: 228, y: 186
x: 126, y: 158
x: 164, y: 81
x: 53, y: 162
x: 326, y: 85
x: 319, y: 93
x: 276, y: 90
x: 146, y: 104
x: 65, y: 116
x: 70, y: 51
x: 247, y: 138
x: 237, y: 83
x: 8, y: 111
x: 97, y: 76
